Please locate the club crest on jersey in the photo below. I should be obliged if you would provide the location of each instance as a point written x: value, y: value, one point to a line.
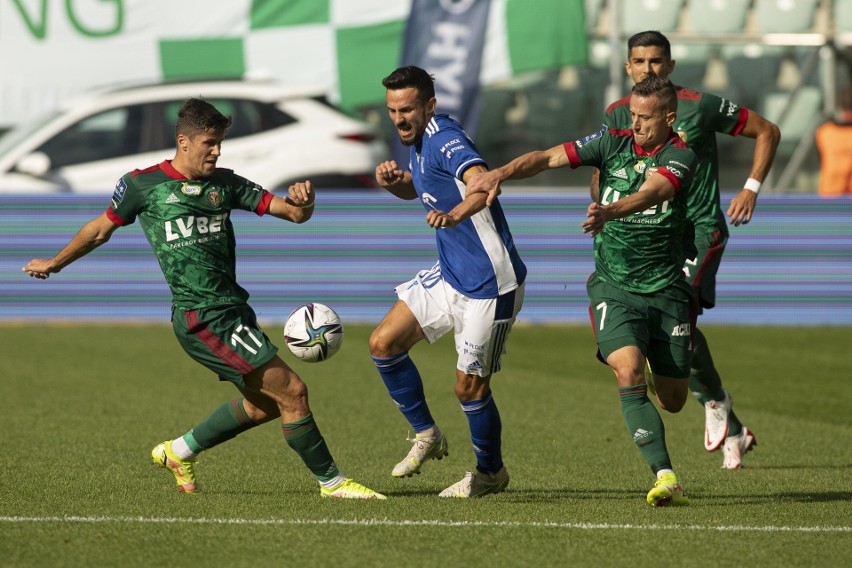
x: 215, y: 198
x: 682, y: 135
x: 191, y: 190
x: 639, y: 167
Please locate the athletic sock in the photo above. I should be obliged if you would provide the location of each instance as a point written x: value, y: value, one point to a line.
x: 181, y: 449
x: 224, y: 423
x: 704, y: 380
x: 734, y: 424
x: 645, y: 426
x: 485, y: 433
x: 705, y: 383
x: 307, y: 441
x: 405, y: 387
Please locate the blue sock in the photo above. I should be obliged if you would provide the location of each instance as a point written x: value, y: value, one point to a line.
x: 405, y: 386
x: 485, y: 431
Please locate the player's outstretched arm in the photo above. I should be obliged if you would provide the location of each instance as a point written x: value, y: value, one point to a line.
x: 767, y: 136
x: 395, y: 180
x: 298, y: 206
x: 524, y: 166
x: 92, y: 235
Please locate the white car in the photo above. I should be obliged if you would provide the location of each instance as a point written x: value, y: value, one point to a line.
x: 279, y: 135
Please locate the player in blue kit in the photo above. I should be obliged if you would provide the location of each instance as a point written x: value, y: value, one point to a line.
x: 476, y: 289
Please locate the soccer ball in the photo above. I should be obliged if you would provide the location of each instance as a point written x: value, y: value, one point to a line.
x: 313, y: 332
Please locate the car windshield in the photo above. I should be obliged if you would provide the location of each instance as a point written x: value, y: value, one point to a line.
x: 13, y: 137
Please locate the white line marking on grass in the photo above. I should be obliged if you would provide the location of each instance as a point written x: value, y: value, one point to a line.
x: 414, y: 523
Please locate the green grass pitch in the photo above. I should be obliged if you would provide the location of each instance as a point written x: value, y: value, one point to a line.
x: 83, y: 406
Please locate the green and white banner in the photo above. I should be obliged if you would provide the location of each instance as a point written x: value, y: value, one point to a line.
x: 52, y: 49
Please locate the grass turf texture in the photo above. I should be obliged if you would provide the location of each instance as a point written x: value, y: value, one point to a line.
x: 83, y: 406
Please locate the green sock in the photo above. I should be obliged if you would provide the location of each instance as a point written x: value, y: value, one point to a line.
x: 645, y: 426
x: 223, y: 424
x: 704, y: 381
x: 305, y: 438
x: 734, y: 424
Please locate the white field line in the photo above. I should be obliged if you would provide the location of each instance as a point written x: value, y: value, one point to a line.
x: 415, y: 523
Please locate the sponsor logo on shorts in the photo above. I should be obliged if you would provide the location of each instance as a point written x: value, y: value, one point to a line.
x: 682, y: 330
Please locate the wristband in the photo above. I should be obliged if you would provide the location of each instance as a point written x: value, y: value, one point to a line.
x: 752, y: 184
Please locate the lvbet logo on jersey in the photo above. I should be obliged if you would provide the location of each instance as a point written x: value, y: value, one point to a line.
x: 192, y: 226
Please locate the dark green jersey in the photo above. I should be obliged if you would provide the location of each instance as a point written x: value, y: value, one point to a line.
x: 699, y: 117
x: 187, y: 222
x: 643, y: 252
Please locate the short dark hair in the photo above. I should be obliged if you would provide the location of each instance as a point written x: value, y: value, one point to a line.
x: 196, y: 116
x: 663, y: 89
x: 650, y: 38
x: 411, y: 76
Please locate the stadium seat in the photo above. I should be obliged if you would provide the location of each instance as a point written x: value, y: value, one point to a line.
x: 718, y: 16
x: 843, y: 21
x: 593, y: 12
x: 495, y: 103
x: 641, y: 15
x: 785, y: 16
x: 752, y: 71
x: 800, y: 119
x: 555, y: 113
x: 691, y: 64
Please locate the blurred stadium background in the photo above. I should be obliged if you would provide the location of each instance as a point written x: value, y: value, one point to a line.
x: 548, y: 69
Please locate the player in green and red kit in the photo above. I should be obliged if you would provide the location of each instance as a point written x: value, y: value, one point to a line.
x: 641, y: 304
x: 184, y: 207
x: 699, y: 117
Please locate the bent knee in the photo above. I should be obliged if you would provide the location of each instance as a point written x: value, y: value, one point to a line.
x: 671, y: 405
x: 378, y: 345
x: 471, y: 387
x: 672, y: 400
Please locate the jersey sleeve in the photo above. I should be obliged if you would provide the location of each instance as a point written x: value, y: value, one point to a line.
x: 589, y: 150
x: 455, y: 152
x: 248, y: 195
x: 721, y: 115
x: 678, y: 166
x: 127, y: 201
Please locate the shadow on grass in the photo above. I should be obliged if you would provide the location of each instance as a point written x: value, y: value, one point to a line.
x: 813, y: 497
x: 844, y: 467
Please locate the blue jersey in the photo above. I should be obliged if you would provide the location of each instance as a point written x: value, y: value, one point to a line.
x: 478, y: 256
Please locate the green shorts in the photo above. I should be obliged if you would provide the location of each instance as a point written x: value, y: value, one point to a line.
x: 660, y: 324
x: 225, y: 339
x: 701, y: 270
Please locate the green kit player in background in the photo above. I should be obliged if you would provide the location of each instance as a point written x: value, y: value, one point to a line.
x: 641, y: 306
x: 699, y: 117
x: 184, y: 207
